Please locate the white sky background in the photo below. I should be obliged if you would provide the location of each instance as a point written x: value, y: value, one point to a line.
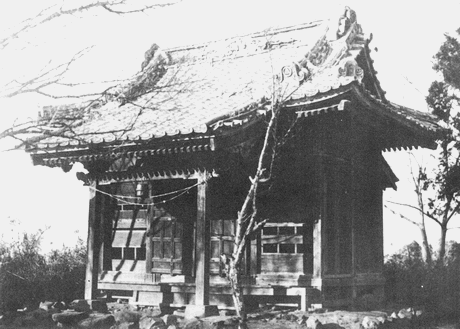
x: 406, y: 33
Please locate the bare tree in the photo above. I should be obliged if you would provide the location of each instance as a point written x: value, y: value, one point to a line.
x: 45, y: 80
x: 418, y: 180
x: 280, y: 128
x: 437, y: 200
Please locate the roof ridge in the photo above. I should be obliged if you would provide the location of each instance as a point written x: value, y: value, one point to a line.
x: 266, y: 32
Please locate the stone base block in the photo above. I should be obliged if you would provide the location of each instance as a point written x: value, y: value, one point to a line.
x: 200, y: 311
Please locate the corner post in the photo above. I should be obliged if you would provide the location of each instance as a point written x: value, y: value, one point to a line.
x: 317, y: 250
x: 92, y: 254
x: 202, y: 243
x: 319, y: 241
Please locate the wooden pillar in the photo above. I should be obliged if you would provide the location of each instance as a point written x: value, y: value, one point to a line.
x: 148, y: 241
x: 317, y: 250
x: 203, y: 242
x: 202, y: 254
x: 105, y: 230
x: 318, y: 231
x: 318, y: 228
x: 254, y: 255
x: 92, y: 254
x: 380, y: 232
x: 354, y: 194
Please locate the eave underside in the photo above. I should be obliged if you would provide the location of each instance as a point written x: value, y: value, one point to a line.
x: 395, y: 127
x: 393, y: 131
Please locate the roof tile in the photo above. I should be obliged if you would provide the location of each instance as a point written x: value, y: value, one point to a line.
x: 197, y: 85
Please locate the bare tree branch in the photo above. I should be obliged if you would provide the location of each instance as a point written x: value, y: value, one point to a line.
x: 143, y: 9
x: 46, y: 78
x: 50, y: 13
x: 416, y: 208
x: 403, y: 217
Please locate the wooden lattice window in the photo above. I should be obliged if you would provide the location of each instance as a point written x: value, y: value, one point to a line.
x: 129, y: 240
x: 283, y: 238
x: 167, y: 233
x: 222, y: 239
x: 283, y: 248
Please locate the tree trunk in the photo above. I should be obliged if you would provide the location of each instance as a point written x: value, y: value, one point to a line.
x: 426, y: 251
x: 442, y: 244
x: 234, y: 277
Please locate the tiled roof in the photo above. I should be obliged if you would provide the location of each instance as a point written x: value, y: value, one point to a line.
x: 195, y: 90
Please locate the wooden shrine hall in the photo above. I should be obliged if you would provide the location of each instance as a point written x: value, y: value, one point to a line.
x: 170, y: 154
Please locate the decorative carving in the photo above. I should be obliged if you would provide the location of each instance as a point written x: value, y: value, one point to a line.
x: 345, y: 22
x: 320, y: 52
x: 297, y: 72
x: 349, y: 68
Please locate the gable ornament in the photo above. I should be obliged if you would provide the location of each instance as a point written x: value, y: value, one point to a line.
x: 294, y: 71
x: 348, y: 67
x: 346, y: 21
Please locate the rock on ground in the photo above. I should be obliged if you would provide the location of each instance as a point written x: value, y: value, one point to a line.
x: 149, y: 322
x: 97, y: 321
x: 69, y: 317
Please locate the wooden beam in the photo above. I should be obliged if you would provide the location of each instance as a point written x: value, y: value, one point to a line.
x: 203, y: 243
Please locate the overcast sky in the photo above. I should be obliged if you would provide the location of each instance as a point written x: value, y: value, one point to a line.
x: 406, y: 35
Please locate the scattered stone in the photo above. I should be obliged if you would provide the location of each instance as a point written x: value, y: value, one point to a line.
x: 290, y: 317
x: 80, y: 305
x: 97, y: 321
x: 69, y: 317
x: 302, y: 320
x: 192, y: 324
x: 126, y: 316
x: 370, y: 323
x: 354, y: 318
x: 313, y: 323
x: 394, y: 315
x: 127, y: 325
x: 59, y: 306
x: 405, y: 314
x: 214, y: 322
x: 170, y: 319
x: 149, y: 322
x: 83, y: 305
x: 46, y: 305
x: 151, y: 312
